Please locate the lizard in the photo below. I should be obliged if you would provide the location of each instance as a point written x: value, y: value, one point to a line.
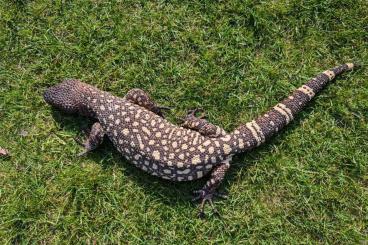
x: 137, y: 128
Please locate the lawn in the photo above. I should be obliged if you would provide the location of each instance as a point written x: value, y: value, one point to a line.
x: 233, y: 58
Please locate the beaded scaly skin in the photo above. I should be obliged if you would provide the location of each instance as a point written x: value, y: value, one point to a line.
x: 137, y: 128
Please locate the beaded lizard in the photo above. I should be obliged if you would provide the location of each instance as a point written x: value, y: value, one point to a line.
x: 137, y: 128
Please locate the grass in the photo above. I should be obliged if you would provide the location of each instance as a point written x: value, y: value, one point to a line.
x: 233, y: 58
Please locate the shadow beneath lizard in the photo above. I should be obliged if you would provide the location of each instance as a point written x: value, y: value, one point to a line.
x: 170, y: 193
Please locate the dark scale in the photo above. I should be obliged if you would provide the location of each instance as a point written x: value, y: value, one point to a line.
x: 136, y: 126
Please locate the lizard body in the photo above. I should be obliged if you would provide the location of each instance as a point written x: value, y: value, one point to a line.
x: 136, y: 127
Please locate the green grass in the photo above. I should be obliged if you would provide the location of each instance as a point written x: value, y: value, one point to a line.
x: 233, y: 58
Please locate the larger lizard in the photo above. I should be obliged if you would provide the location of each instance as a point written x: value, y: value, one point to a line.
x: 137, y: 129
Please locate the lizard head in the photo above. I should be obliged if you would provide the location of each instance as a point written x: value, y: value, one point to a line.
x: 66, y: 96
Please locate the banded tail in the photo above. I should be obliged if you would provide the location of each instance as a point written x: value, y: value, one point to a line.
x: 254, y: 133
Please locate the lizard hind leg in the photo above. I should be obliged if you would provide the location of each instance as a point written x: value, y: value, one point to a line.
x: 94, y: 139
x: 209, y: 190
x: 201, y: 125
x: 141, y: 98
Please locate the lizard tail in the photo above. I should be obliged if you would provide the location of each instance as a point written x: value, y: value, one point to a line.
x: 256, y: 132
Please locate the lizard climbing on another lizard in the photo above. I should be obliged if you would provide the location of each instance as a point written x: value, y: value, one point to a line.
x: 197, y: 148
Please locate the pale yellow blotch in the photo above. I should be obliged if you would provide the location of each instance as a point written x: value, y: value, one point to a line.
x: 184, y: 146
x: 330, y: 74
x: 201, y: 149
x: 164, y: 142
x: 191, y: 149
x: 199, y: 174
x: 116, y: 107
x: 211, y: 150
x: 185, y: 171
x: 135, y: 124
x: 111, y: 116
x: 185, y: 138
x: 121, y: 142
x: 115, y: 133
x: 171, y: 156
x: 174, y: 144
x: 227, y: 149
x: 241, y: 143
x: 117, y: 121
x: 196, y: 159
x: 350, y: 65
x: 181, y: 156
x: 146, y: 130
x: 254, y: 133
x: 158, y: 134
x: 166, y: 148
x: 217, y: 143
x: 161, y: 125
x: 226, y: 138
x: 236, y: 132
x: 180, y: 164
x: 102, y: 108
x: 156, y: 155
x: 153, y: 123
x: 272, y: 123
x: 307, y: 90
x: 283, y: 112
x: 151, y: 142
x: 125, y: 131
x: 135, y: 130
x: 127, y: 119
x: 207, y: 142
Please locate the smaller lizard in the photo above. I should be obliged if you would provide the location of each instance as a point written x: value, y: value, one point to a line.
x: 137, y: 128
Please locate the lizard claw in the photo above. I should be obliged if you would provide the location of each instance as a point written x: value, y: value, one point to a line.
x: 206, y: 196
x: 159, y: 110
x: 191, y: 113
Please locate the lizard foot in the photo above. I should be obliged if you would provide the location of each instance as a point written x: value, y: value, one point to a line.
x: 207, y: 196
x: 193, y: 112
x: 159, y: 110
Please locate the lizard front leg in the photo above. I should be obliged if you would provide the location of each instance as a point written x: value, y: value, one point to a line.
x: 209, y: 190
x: 141, y: 98
x: 94, y: 139
x: 201, y: 125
